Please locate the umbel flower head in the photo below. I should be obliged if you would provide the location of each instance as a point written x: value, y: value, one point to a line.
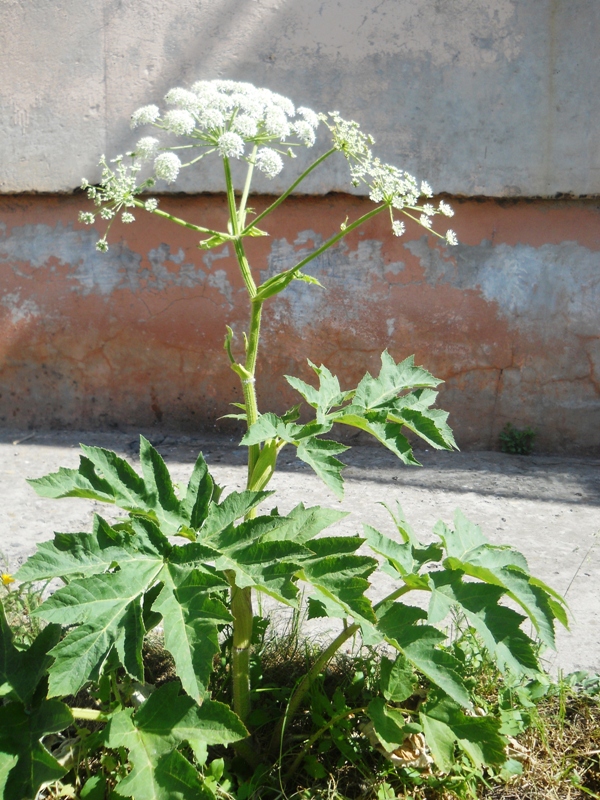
x: 236, y: 120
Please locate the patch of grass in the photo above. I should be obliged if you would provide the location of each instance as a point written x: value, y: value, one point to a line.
x: 518, y: 441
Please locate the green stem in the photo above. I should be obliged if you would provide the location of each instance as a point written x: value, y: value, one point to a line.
x: 333, y: 721
x: 330, y: 242
x: 244, y: 200
x: 157, y: 212
x: 91, y: 714
x: 307, y: 681
x: 241, y: 599
x: 288, y: 191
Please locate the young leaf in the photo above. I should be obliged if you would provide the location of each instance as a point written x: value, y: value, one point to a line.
x: 328, y: 395
x: 320, y: 455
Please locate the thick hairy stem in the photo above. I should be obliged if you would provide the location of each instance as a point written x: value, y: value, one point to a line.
x: 241, y: 599
x: 241, y: 609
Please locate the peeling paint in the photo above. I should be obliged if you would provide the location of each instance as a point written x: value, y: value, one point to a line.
x: 19, y: 309
x: 341, y: 270
x: 555, y: 282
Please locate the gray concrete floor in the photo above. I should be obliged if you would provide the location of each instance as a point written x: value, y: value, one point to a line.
x: 546, y: 506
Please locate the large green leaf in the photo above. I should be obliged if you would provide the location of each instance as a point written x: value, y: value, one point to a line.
x: 498, y: 626
x: 320, y: 455
x: 376, y: 423
x: 341, y: 577
x: 190, y: 620
x: 389, y: 724
x: 153, y: 733
x: 79, y: 555
x: 445, y: 724
x: 421, y: 646
x: 397, y: 679
x: 108, y: 478
x: 372, y: 393
x: 24, y: 760
x: 108, y: 612
x: 469, y: 551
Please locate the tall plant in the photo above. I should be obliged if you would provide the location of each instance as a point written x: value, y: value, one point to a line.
x: 124, y: 579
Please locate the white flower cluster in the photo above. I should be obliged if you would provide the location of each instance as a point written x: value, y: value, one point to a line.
x: 116, y: 191
x: 387, y: 184
x: 226, y: 116
x: 238, y: 120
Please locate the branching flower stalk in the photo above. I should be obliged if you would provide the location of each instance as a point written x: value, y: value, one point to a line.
x: 239, y: 121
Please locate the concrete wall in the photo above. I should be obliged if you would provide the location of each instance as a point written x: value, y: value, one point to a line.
x: 483, y: 97
x: 493, y: 102
x: 509, y: 319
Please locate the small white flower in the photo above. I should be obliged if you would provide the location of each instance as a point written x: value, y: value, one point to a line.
x: 426, y: 189
x: 305, y: 132
x: 102, y: 246
x: 127, y: 218
x: 276, y: 123
x: 211, y: 118
x: 151, y: 204
x: 269, y: 162
x: 451, y: 237
x: 182, y: 98
x: 398, y: 227
x: 429, y: 210
x: 146, y: 147
x: 425, y: 221
x: 230, y: 145
x: 309, y: 116
x: 86, y: 217
x: 180, y: 122
x: 446, y: 209
x: 144, y: 116
x: 167, y: 166
x: 245, y: 125
x: 284, y: 103
x: 106, y: 213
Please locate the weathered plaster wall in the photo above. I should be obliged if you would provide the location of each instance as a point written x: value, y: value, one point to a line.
x: 481, y: 98
x: 510, y: 318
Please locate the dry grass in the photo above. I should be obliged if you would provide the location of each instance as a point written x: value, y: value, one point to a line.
x: 562, y: 752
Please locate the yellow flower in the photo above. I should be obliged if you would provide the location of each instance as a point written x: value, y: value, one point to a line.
x: 7, y: 579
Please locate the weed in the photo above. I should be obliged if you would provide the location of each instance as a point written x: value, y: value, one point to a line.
x: 518, y: 441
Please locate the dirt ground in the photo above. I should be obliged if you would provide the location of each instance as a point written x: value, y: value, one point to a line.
x: 547, y: 506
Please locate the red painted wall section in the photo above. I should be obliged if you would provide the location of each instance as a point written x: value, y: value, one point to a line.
x: 509, y: 318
